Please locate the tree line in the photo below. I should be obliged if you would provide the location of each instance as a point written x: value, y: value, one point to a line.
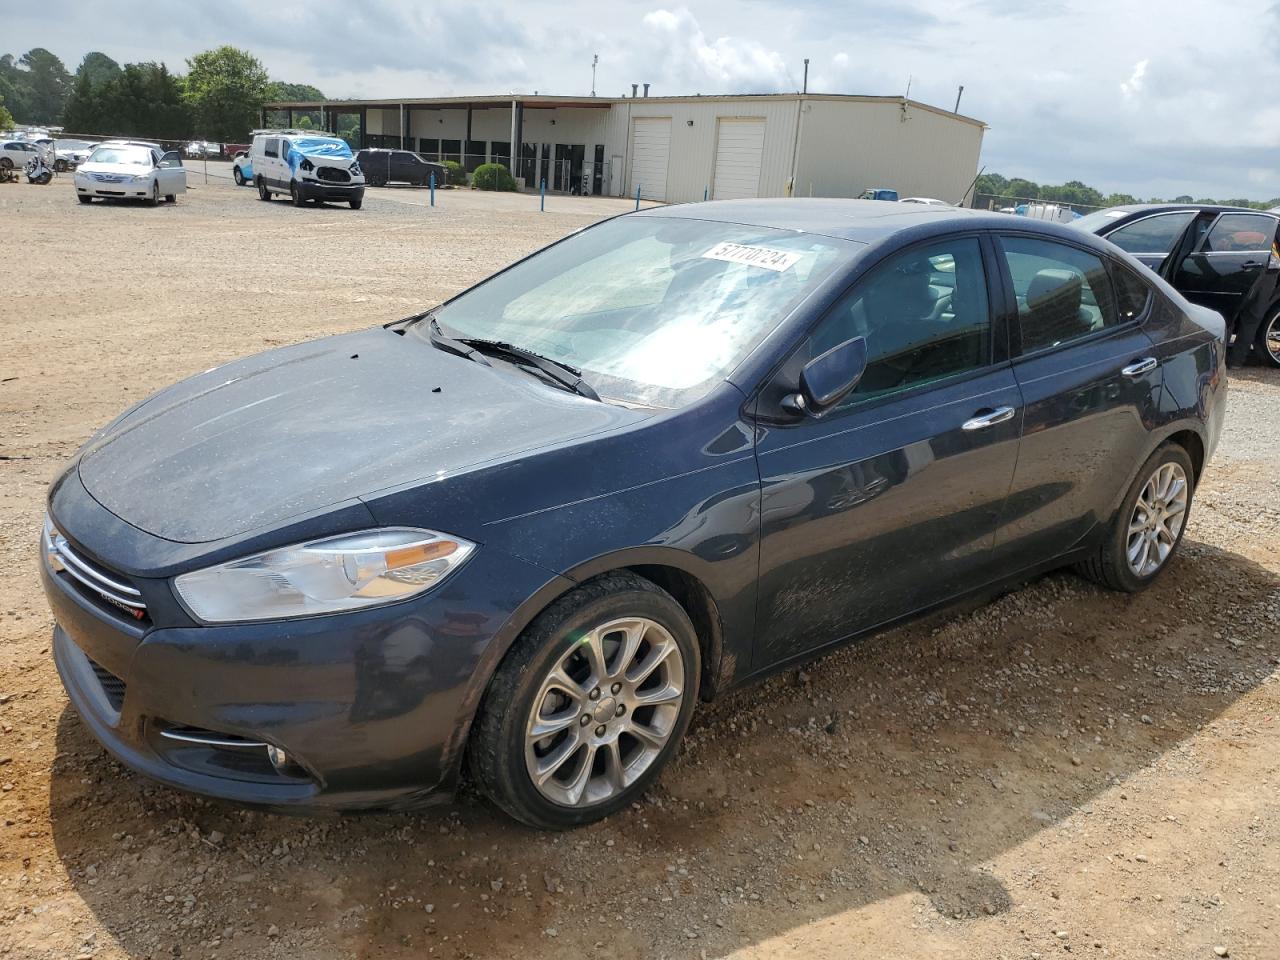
x: 1079, y: 194
x: 218, y: 98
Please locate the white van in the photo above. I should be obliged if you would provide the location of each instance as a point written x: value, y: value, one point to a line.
x: 307, y: 166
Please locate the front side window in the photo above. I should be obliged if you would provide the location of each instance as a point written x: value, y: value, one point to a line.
x: 1241, y: 233
x: 924, y: 314
x: 1064, y: 293
x: 1155, y: 234
x: 653, y: 310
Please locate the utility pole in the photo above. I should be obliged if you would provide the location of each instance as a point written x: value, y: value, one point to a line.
x: 959, y: 94
x: 805, y: 87
x: 595, y: 58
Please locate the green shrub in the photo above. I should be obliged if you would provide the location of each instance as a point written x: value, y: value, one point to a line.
x: 492, y: 176
x: 457, y: 176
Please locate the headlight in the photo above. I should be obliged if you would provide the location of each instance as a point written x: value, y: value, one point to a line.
x: 349, y: 572
x: 306, y: 165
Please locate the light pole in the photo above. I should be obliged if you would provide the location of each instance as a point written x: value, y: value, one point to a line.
x: 595, y: 58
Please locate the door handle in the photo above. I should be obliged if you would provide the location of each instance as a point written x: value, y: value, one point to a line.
x: 981, y: 420
x: 1139, y: 367
x: 1250, y: 264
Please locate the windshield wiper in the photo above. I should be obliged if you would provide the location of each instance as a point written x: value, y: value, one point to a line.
x: 566, y: 376
x: 441, y: 341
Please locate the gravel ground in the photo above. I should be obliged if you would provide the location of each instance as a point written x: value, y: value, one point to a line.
x: 1064, y: 770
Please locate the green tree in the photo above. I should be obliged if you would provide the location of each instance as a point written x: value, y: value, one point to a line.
x: 15, y: 87
x: 142, y: 100
x: 226, y: 88
x: 292, y: 92
x: 6, y: 118
x: 98, y: 67
x: 48, y: 83
x: 1022, y: 189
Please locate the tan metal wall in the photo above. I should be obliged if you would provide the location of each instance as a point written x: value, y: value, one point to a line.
x: 691, y: 167
x: 848, y: 146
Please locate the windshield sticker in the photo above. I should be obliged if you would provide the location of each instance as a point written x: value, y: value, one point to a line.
x: 775, y: 260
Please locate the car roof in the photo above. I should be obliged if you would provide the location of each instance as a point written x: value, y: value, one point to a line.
x: 864, y: 221
x: 1201, y: 207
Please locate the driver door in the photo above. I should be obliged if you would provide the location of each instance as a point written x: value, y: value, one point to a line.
x: 889, y: 503
x: 173, y: 177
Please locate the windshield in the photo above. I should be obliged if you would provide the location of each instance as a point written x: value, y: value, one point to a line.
x: 653, y: 310
x: 1095, y: 221
x: 321, y: 147
x: 140, y: 156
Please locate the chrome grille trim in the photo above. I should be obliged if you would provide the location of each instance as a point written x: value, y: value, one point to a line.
x: 207, y: 738
x: 65, y: 559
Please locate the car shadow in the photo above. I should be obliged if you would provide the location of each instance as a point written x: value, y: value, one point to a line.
x: 904, y: 764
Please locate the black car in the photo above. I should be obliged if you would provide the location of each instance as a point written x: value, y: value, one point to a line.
x: 399, y: 166
x: 1225, y: 258
x: 521, y: 535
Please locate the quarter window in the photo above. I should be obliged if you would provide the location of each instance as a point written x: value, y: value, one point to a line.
x: 1063, y: 292
x: 1152, y: 234
x: 1241, y: 232
x: 924, y: 314
x: 1132, y: 293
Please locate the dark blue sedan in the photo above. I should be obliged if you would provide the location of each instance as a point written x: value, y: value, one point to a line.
x: 519, y: 536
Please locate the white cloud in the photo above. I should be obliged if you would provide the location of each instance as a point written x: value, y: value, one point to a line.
x: 684, y: 52
x: 1133, y: 86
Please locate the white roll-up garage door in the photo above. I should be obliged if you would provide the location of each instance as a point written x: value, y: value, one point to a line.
x: 739, y: 146
x: 650, y: 148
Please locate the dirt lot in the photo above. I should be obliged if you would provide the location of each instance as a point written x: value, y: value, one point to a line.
x: 1065, y: 770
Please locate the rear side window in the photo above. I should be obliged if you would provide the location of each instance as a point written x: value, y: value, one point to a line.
x: 1063, y: 292
x: 1152, y: 234
x: 924, y: 314
x: 1132, y: 293
x: 1241, y: 232
x: 272, y: 147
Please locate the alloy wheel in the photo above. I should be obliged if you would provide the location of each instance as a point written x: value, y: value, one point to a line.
x: 1157, y: 519
x: 604, y: 712
x: 1271, y: 339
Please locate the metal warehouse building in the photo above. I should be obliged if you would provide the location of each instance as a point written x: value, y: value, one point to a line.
x: 678, y: 149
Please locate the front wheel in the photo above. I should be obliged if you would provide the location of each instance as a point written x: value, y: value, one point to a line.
x: 355, y: 204
x: 1149, y: 524
x: 237, y: 176
x: 1269, y: 341
x: 154, y: 199
x: 295, y: 194
x: 589, y: 705
x: 6, y: 163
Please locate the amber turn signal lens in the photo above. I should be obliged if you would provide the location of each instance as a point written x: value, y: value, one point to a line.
x: 419, y: 553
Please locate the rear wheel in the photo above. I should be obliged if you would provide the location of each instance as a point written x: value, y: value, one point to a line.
x: 1149, y: 524
x: 263, y: 192
x: 1269, y: 340
x: 589, y: 704
x: 6, y: 163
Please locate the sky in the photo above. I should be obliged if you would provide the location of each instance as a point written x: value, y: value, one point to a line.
x: 1125, y: 95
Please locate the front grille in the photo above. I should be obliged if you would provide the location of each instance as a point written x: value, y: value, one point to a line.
x: 107, y: 178
x: 112, y: 686
x: 333, y: 175
x: 90, y: 578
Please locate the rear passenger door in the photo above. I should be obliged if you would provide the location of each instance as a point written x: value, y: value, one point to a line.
x: 1090, y: 381
x: 1226, y: 262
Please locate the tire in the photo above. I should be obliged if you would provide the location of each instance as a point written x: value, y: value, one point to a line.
x: 1269, y: 341
x: 599, y: 715
x: 263, y: 192
x: 83, y: 199
x: 60, y: 166
x: 154, y: 199
x: 1111, y: 566
x: 356, y: 204
x: 6, y: 163
x: 237, y: 176
x: 170, y: 198
x: 296, y: 195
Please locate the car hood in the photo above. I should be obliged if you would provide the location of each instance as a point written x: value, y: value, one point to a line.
x: 125, y: 169
x: 292, y: 431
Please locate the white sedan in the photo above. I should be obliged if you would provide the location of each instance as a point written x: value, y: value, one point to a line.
x: 131, y: 171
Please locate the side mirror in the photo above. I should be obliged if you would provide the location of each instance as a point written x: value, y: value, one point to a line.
x: 829, y: 378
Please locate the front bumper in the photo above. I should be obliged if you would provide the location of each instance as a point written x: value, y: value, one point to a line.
x: 371, y: 708
x: 137, y: 190
x: 321, y: 190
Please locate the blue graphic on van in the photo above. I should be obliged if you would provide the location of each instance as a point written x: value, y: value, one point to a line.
x: 316, y: 147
